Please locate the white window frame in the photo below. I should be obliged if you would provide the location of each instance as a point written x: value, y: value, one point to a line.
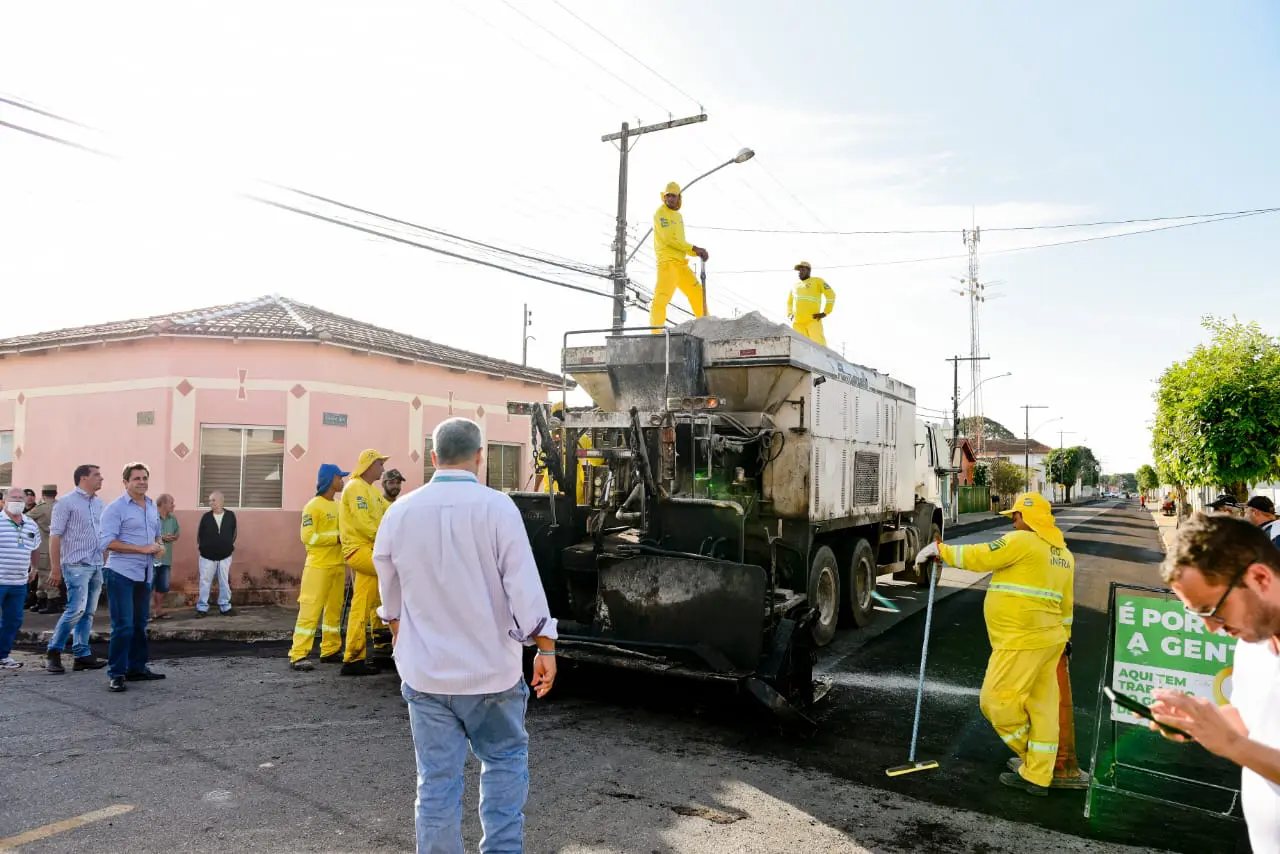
x: 518, y: 448
x: 9, y: 482
x: 202, y: 500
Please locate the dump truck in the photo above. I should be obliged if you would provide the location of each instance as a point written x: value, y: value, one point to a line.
x: 726, y: 503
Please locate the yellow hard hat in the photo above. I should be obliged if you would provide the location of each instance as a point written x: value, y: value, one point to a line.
x: 367, y: 458
x: 673, y: 189
x: 804, y: 264
x: 1037, y: 512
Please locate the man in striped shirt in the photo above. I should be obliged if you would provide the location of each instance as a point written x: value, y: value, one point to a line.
x: 19, y: 542
x: 76, y: 555
x: 461, y: 593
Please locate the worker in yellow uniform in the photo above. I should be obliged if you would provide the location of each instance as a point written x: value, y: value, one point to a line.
x: 1028, y: 611
x: 671, y: 250
x: 805, y: 304
x: 361, y: 512
x: 567, y: 459
x: 323, y: 575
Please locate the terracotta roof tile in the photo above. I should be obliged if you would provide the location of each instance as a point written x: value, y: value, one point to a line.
x: 1005, y: 447
x: 279, y: 318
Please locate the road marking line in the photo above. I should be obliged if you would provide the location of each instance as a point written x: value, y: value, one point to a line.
x: 13, y: 843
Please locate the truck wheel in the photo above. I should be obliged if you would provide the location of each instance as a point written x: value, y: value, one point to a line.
x: 862, y: 583
x: 911, y: 548
x: 824, y: 595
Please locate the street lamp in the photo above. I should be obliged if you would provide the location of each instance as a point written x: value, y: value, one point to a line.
x: 981, y: 384
x: 741, y: 157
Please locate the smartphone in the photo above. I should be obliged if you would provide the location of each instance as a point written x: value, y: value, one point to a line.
x: 1131, y: 705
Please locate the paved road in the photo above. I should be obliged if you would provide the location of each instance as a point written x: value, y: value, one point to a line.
x: 235, y: 752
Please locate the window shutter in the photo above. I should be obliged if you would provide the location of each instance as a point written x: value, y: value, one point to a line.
x: 263, y: 468
x: 220, y: 464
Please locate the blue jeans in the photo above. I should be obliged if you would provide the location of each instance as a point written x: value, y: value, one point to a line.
x: 130, y: 603
x: 84, y: 586
x: 493, y: 724
x: 12, y: 599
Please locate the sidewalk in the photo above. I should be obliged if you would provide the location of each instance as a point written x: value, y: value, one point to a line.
x: 1168, y: 526
x: 248, y: 625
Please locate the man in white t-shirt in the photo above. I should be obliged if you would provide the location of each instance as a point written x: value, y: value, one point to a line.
x: 1226, y: 571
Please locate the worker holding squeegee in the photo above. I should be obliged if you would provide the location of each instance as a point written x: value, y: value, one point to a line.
x: 1028, y: 611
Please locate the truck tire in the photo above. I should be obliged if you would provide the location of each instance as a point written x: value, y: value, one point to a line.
x: 862, y: 583
x: 824, y: 595
x: 910, y: 548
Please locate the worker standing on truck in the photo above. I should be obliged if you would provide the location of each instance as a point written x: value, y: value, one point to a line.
x: 567, y: 458
x: 671, y: 250
x: 805, y: 308
x: 1028, y: 611
x: 359, y: 515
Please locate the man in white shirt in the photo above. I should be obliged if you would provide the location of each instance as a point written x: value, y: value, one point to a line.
x: 1226, y: 571
x: 461, y: 593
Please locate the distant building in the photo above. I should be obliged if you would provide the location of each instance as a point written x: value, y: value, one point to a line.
x: 1021, y: 454
x: 248, y: 399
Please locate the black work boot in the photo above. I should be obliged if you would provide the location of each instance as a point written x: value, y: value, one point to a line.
x: 53, y: 663
x: 1017, y: 781
x: 358, y: 668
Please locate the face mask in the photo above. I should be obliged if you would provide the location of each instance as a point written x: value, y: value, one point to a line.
x: 15, y: 507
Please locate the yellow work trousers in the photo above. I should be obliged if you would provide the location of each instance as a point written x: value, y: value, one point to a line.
x: 1020, y: 699
x: 320, y: 594
x: 672, y: 275
x: 811, y: 328
x: 363, y: 616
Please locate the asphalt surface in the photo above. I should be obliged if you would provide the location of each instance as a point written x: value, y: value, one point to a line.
x: 235, y: 752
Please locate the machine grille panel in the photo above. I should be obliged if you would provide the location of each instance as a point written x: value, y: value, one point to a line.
x: 866, y: 478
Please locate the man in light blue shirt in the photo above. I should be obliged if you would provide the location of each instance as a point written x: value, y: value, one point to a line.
x: 131, y: 537
x: 75, y: 553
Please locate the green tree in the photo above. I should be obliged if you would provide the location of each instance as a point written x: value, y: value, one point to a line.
x: 1147, y: 479
x: 1006, y: 479
x: 982, y: 474
x: 1218, y: 412
x: 1062, y: 466
x: 990, y: 429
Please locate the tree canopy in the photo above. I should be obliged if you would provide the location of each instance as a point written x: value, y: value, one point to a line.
x: 990, y: 429
x: 1067, y: 465
x: 1147, y: 478
x: 1218, y: 412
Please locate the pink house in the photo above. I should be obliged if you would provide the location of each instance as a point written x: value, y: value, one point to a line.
x: 248, y: 399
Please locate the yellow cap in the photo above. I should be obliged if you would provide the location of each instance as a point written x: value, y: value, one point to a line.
x: 367, y: 458
x: 1037, y: 512
x: 805, y: 264
x: 672, y: 189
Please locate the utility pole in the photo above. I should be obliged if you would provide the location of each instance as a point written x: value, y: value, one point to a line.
x: 955, y: 428
x: 973, y: 289
x: 524, y: 346
x: 623, y: 139
x: 1026, y: 448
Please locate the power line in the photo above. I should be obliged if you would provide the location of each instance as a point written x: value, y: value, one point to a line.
x: 1004, y: 228
x: 628, y: 53
x: 334, y: 221
x: 594, y: 62
x: 1223, y: 218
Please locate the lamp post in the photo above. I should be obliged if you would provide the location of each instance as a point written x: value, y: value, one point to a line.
x: 741, y: 157
x: 981, y: 384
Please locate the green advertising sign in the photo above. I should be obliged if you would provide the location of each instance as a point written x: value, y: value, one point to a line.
x: 1160, y: 645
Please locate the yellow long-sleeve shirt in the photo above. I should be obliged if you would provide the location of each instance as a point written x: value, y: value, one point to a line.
x: 361, y: 513
x: 805, y: 300
x: 320, y: 533
x: 1030, y: 599
x: 668, y: 236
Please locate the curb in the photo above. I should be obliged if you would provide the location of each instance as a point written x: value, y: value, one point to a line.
x: 973, y: 527
x: 181, y: 635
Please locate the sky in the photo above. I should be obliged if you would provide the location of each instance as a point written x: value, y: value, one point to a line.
x: 484, y: 119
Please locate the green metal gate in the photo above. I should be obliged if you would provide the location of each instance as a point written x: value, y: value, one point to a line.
x: 975, y: 499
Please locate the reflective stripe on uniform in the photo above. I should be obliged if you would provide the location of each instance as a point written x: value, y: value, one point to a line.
x: 1023, y: 590
x: 314, y: 538
x: 1042, y: 746
x: 332, y: 629
x: 806, y: 297
x: 1013, y: 736
x: 959, y: 550
x: 305, y: 632
x: 1068, y: 621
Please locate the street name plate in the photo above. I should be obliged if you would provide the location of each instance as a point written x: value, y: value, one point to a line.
x: 335, y: 419
x: 147, y: 418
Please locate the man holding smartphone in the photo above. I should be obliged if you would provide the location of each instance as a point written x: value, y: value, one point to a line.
x: 1227, y: 572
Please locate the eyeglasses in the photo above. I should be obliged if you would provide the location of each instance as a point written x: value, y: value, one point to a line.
x: 1212, y: 613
